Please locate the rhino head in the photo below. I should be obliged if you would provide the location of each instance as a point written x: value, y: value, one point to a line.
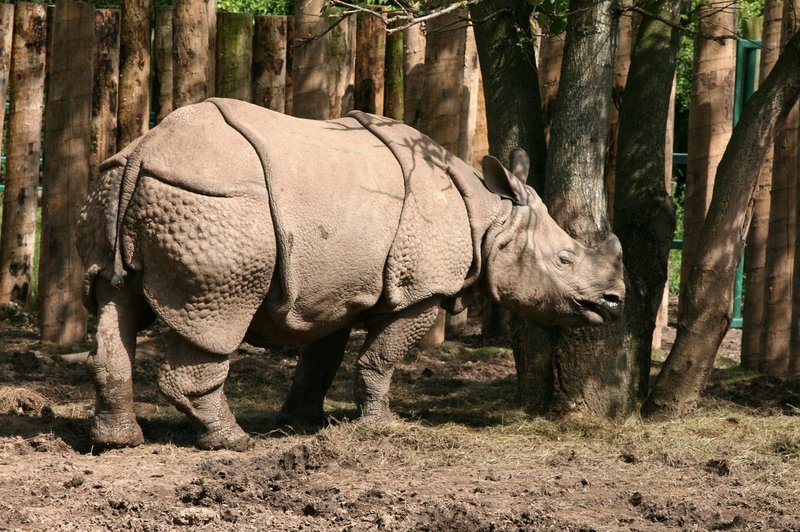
x: 535, y: 269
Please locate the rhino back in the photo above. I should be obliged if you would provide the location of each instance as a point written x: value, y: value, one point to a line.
x: 336, y: 193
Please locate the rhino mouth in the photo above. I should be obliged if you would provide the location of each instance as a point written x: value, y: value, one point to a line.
x: 608, y: 307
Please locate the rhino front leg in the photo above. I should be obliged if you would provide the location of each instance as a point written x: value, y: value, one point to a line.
x: 192, y: 379
x: 387, y: 342
x: 318, y: 364
x: 120, y: 313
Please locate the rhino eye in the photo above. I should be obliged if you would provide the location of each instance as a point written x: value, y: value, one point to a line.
x: 565, y: 259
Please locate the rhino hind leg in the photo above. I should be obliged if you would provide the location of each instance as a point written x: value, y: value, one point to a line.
x: 386, y: 344
x: 121, y: 314
x: 192, y: 379
x: 318, y: 364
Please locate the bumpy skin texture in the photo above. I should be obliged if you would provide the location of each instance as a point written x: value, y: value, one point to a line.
x: 231, y: 222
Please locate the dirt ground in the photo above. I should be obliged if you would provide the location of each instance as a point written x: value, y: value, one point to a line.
x: 461, y: 457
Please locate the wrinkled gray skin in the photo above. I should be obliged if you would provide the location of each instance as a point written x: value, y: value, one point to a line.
x: 221, y: 253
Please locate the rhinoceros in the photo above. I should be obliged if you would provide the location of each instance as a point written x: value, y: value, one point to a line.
x: 234, y: 223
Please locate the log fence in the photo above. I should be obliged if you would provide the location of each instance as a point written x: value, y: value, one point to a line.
x: 93, y: 69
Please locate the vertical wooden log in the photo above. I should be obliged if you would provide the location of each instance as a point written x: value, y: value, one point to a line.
x: 27, y: 74
x: 289, y: 89
x: 190, y: 49
x: 393, y: 106
x: 550, y: 75
x: 754, y: 281
x: 622, y: 63
x: 444, y: 76
x: 481, y: 141
x: 68, y: 129
x: 211, y: 64
x: 106, y: 87
x: 710, y: 121
x: 269, y: 62
x: 370, y: 62
x: 162, y: 53
x: 662, y: 317
x: 234, y: 56
x: 778, y: 328
x: 413, y: 74
x: 133, y: 116
x: 309, y: 62
x: 341, y: 67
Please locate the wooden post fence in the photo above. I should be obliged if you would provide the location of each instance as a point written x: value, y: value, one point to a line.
x: 68, y: 146
x: 162, y: 54
x: 234, y: 56
x: 269, y: 63
x: 24, y: 148
x: 105, y: 86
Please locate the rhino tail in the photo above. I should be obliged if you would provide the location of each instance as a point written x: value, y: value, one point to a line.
x: 128, y: 184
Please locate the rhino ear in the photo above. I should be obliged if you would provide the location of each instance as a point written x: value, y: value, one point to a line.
x: 502, y: 182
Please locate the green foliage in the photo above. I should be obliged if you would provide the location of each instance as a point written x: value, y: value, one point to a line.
x: 551, y: 14
x: 257, y: 7
x: 674, y: 273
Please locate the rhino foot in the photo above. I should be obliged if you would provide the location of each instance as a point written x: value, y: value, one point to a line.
x: 230, y: 438
x: 111, y: 431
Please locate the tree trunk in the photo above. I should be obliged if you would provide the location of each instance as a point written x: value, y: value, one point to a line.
x: 510, y: 83
x: 24, y: 149
x: 309, y: 62
x: 67, y: 139
x: 370, y: 63
x: 708, y: 309
x: 645, y: 216
x: 269, y: 63
x: 234, y: 56
x: 585, y: 368
x: 755, y: 273
x: 190, y: 53
x: 342, y: 67
x: 211, y: 54
x: 393, y: 78
x: 289, y: 90
x: 106, y: 87
x: 777, y: 326
x: 133, y: 115
x: 162, y: 49
x: 414, y: 74
x: 710, y: 120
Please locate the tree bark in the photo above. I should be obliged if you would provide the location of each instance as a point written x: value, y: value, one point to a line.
x: 645, y: 216
x: 710, y: 120
x: 708, y: 309
x: 234, y: 56
x: 24, y: 149
x: 342, y: 67
x: 269, y: 63
x: 67, y: 139
x: 754, y: 264
x: 211, y: 54
x: 370, y: 63
x: 514, y: 116
x: 393, y: 106
x: 777, y: 325
x: 309, y: 62
x: 133, y: 115
x: 162, y: 48
x: 289, y: 92
x: 106, y: 87
x: 586, y: 369
x: 190, y: 53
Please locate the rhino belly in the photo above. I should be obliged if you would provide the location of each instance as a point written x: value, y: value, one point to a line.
x: 205, y: 261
